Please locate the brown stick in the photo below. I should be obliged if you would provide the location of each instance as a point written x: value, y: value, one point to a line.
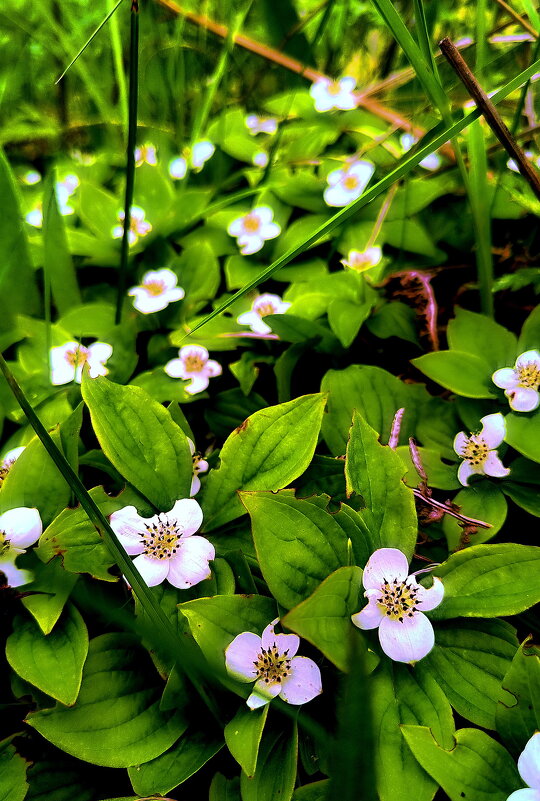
x: 515, y: 16
x: 492, y: 116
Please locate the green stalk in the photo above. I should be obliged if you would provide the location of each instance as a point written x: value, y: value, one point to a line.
x: 116, y: 46
x: 130, y: 154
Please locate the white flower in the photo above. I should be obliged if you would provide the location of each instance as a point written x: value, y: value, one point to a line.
x: 164, y: 544
x: 396, y: 603
x: 200, y: 153
x: 257, y: 125
x: 262, y: 306
x: 138, y: 226
x: 512, y: 164
x: 521, y: 382
x: 193, y: 362
x: 200, y: 465
x: 329, y: 94
x: 431, y: 162
x: 156, y: 290
x: 10, y: 457
x: 253, y: 229
x: 67, y: 361
x: 529, y: 770
x: 361, y: 260
x: 19, y: 528
x: 35, y: 216
x: 347, y: 185
x: 146, y: 154
x: 260, y: 159
x: 479, y: 450
x: 271, y: 663
x: 31, y: 178
x: 178, y: 168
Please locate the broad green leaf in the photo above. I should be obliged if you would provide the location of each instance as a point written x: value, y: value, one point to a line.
x: 458, y: 371
x: 469, y: 661
x: 481, y: 336
x: 276, y: 766
x: 412, y: 236
x: 57, y: 261
x: 530, y: 333
x: 199, y: 276
x: 523, y: 485
x: 346, y: 318
x: 489, y: 580
x: 243, y: 736
x: 298, y: 544
x: 523, y: 433
x: 167, y: 771
x: 315, y: 791
x: 89, y: 320
x: 229, y: 409
x: 374, y: 471
x: 376, y: 395
x: 54, y: 662
x: 48, y: 592
x: 223, y: 789
x: 324, y: 619
x: 266, y: 452
x: 438, y: 426
x: 13, y: 784
x: 140, y: 439
x: 394, y: 319
x: 116, y: 721
x: 477, y: 767
x: 60, y: 780
x: 518, y: 710
x: 482, y: 501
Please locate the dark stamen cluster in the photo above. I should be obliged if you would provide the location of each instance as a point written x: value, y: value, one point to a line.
x: 162, y: 539
x: 399, y: 599
x: 272, y: 666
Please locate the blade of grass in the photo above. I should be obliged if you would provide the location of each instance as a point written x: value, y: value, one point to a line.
x: 403, y: 169
x: 118, y: 61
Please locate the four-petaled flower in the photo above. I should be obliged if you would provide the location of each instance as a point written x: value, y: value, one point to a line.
x: 431, y: 162
x: 521, y: 382
x: 271, y: 663
x: 156, y: 290
x: 361, y: 260
x: 479, y: 450
x: 138, y: 226
x: 146, y: 154
x: 193, y: 363
x: 529, y: 770
x: 261, y: 307
x: 253, y: 229
x: 10, y: 457
x: 329, y: 94
x: 164, y: 544
x: 67, y: 361
x: 396, y: 603
x: 19, y: 528
x: 257, y: 125
x: 200, y: 465
x: 347, y: 185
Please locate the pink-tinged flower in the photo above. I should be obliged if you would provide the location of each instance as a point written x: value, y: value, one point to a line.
x: 67, y: 361
x: 261, y: 307
x: 362, y: 260
x: 431, y: 162
x: 347, y: 185
x: 529, y: 770
x: 164, y: 544
x: 260, y: 159
x: 396, y: 603
x: 329, y: 94
x: 253, y: 229
x: 521, y: 382
x: 200, y: 153
x: 479, y: 452
x: 257, y: 125
x: 178, y: 168
x: 138, y: 226
x: 193, y: 363
x: 10, y: 457
x: 31, y: 178
x: 271, y: 663
x: 19, y: 528
x: 146, y: 154
x: 156, y: 290
x: 200, y: 465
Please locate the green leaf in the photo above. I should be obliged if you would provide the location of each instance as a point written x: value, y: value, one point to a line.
x: 243, y: 736
x: 482, y: 501
x: 88, y: 320
x: 440, y: 475
x: 469, y: 661
x: 116, y: 721
x: 481, y: 336
x: 394, y: 319
x: 374, y: 471
x: 518, y: 709
x: 266, y: 452
x: 57, y: 261
x: 199, y: 276
x: 315, y: 791
x: 458, y: 371
x: 298, y: 544
x: 53, y: 663
x: 48, y: 592
x: 276, y: 767
x: 13, y: 784
x: 530, y: 333
x: 223, y: 789
x: 412, y: 236
x: 346, y: 318
x: 140, y: 439
x: 324, y: 619
x: 60, y: 780
x: 376, y: 395
x: 489, y: 580
x: 523, y: 485
x: 477, y: 767
x: 523, y: 433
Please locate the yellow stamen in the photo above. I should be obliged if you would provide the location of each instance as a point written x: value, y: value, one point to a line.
x: 193, y: 363
x: 154, y: 288
x: 272, y: 666
x: 529, y: 375
x: 251, y: 223
x: 398, y: 600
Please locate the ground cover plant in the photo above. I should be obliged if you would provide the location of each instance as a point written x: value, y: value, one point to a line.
x: 270, y: 402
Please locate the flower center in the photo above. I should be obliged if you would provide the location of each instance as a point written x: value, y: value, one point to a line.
x: 193, y: 364
x: 251, y: 223
x: 334, y: 88
x: 77, y: 357
x: 162, y: 540
x: 272, y: 666
x: 529, y: 375
x: 155, y: 288
x: 350, y: 182
x: 265, y: 308
x: 398, y: 600
x: 475, y: 451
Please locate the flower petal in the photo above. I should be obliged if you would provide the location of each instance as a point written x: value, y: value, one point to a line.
x: 304, y: 683
x: 524, y: 795
x: 347, y: 83
x: 153, y: 571
x: 15, y: 577
x: 430, y: 597
x: 407, y: 641
x: 190, y: 565
x: 264, y: 213
x: 529, y: 762
x: 263, y: 693
x: 213, y: 368
x: 269, y: 230
x: 494, y: 467
x: 523, y: 399
x: 336, y: 196
x: 371, y: 615
x: 283, y: 642
x: 21, y: 526
x: 236, y: 227
x: 250, y: 243
x: 99, y: 352
x: 460, y: 443
x: 241, y: 655
x: 385, y: 564
x: 195, y: 485
x: 176, y: 369
x: 528, y: 357
x: 187, y: 515
x: 198, y: 383
x: 465, y: 471
x: 129, y: 526
x: 62, y: 372
x: 493, y: 429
